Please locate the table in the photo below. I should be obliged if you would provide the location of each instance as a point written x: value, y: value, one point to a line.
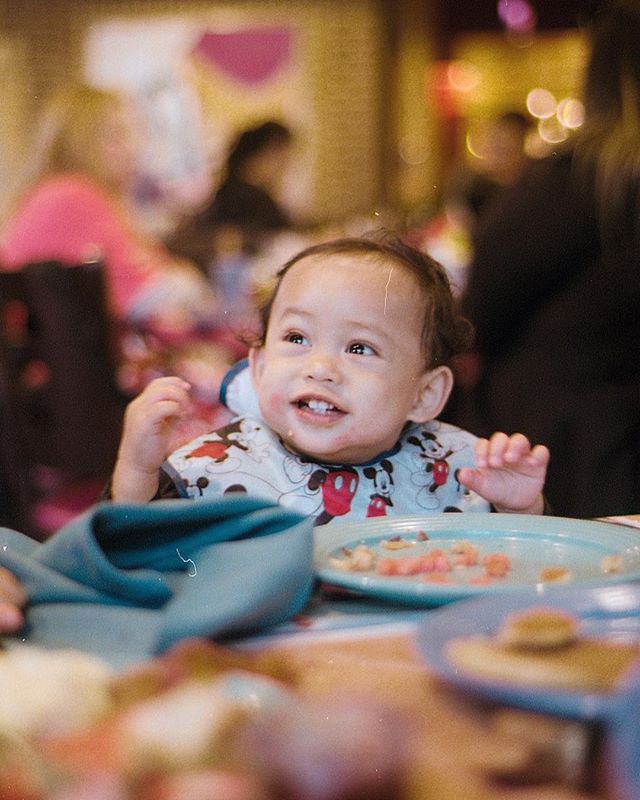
x: 458, y: 747
x: 464, y: 747
x: 341, y: 700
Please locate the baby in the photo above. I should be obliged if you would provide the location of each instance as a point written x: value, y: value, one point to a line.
x: 350, y: 375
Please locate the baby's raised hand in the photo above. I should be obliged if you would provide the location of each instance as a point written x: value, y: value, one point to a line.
x: 151, y: 424
x: 509, y: 473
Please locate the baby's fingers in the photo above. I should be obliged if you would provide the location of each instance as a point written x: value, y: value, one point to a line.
x: 12, y: 598
x: 163, y: 397
x: 490, y: 452
x: 11, y: 590
x: 168, y: 388
x: 502, y: 450
x: 518, y: 448
x: 520, y: 452
x: 539, y: 456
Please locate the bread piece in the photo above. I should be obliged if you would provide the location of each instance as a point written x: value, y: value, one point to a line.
x: 583, y: 665
x: 538, y: 628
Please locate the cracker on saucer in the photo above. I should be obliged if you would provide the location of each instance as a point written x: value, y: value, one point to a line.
x: 541, y: 647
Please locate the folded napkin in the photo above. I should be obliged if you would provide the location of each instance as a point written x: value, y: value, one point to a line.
x: 124, y: 582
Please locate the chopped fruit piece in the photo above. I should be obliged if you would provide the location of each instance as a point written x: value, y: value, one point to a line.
x: 360, y: 559
x: 612, y: 564
x: 437, y: 577
x: 395, y: 543
x: 555, y: 575
x: 496, y: 565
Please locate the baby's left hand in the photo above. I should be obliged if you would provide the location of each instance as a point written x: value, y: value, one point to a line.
x: 509, y: 473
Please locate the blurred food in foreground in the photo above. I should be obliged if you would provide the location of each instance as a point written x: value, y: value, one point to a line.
x: 328, y: 720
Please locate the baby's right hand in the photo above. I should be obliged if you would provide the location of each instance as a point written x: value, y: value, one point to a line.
x: 12, y: 598
x: 150, y: 421
x: 151, y: 424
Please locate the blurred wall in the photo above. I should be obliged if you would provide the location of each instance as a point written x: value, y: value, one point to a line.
x: 374, y: 132
x: 366, y: 119
x: 14, y: 115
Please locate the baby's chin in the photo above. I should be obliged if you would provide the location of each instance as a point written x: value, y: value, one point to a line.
x: 325, y: 456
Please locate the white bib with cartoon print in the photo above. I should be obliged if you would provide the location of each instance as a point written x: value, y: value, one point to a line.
x: 417, y: 477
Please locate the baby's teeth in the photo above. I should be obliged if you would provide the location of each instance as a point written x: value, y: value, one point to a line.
x: 319, y: 405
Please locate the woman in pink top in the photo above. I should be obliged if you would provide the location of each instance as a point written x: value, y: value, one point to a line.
x: 76, y: 209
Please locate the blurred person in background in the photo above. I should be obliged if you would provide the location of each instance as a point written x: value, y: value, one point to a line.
x: 240, y: 224
x: 469, y: 193
x: 505, y: 156
x: 448, y: 235
x: 554, y: 291
x: 245, y: 206
x: 247, y: 197
x: 76, y: 208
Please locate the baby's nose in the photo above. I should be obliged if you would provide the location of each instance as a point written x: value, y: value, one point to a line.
x: 323, y: 367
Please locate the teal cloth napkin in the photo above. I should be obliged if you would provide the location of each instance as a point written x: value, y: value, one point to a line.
x: 125, y: 582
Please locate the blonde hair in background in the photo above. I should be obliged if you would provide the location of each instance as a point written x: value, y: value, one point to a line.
x: 69, y: 134
x: 68, y: 138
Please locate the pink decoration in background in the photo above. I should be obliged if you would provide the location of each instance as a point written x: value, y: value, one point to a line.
x: 517, y: 15
x: 252, y: 55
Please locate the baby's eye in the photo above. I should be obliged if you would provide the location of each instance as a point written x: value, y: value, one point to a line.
x: 296, y: 338
x: 361, y: 349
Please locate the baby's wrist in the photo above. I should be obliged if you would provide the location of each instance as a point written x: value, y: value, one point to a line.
x: 537, y: 507
x: 133, y: 483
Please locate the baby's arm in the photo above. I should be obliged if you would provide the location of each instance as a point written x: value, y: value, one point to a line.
x: 509, y: 473
x: 151, y: 423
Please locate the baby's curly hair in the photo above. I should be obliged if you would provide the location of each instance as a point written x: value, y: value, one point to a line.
x: 445, y: 332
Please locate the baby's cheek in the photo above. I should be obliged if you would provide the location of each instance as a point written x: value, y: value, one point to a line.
x: 273, y: 402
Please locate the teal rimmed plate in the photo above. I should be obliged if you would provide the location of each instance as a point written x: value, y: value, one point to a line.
x: 531, y: 543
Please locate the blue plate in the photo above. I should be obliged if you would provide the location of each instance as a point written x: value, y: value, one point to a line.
x: 605, y: 611
x: 531, y: 542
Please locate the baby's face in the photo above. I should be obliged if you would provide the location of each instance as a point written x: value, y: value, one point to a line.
x: 342, y: 367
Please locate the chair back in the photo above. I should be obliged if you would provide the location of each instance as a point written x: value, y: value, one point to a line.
x: 61, y: 407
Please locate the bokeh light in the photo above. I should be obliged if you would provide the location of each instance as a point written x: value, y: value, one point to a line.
x: 463, y: 76
x: 517, y: 15
x: 473, y: 146
x: 570, y: 113
x: 551, y: 131
x: 541, y: 103
x: 412, y: 150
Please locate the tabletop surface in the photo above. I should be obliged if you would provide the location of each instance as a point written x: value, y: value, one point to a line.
x: 346, y: 684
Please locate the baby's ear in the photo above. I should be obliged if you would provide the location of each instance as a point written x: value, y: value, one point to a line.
x: 433, y: 391
x: 256, y: 363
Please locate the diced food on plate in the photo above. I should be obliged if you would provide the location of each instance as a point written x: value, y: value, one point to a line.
x: 614, y: 563
x: 555, y: 575
x: 360, y: 559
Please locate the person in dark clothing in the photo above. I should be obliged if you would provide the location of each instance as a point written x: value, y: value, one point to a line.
x: 245, y: 197
x: 245, y: 202
x: 554, y: 292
